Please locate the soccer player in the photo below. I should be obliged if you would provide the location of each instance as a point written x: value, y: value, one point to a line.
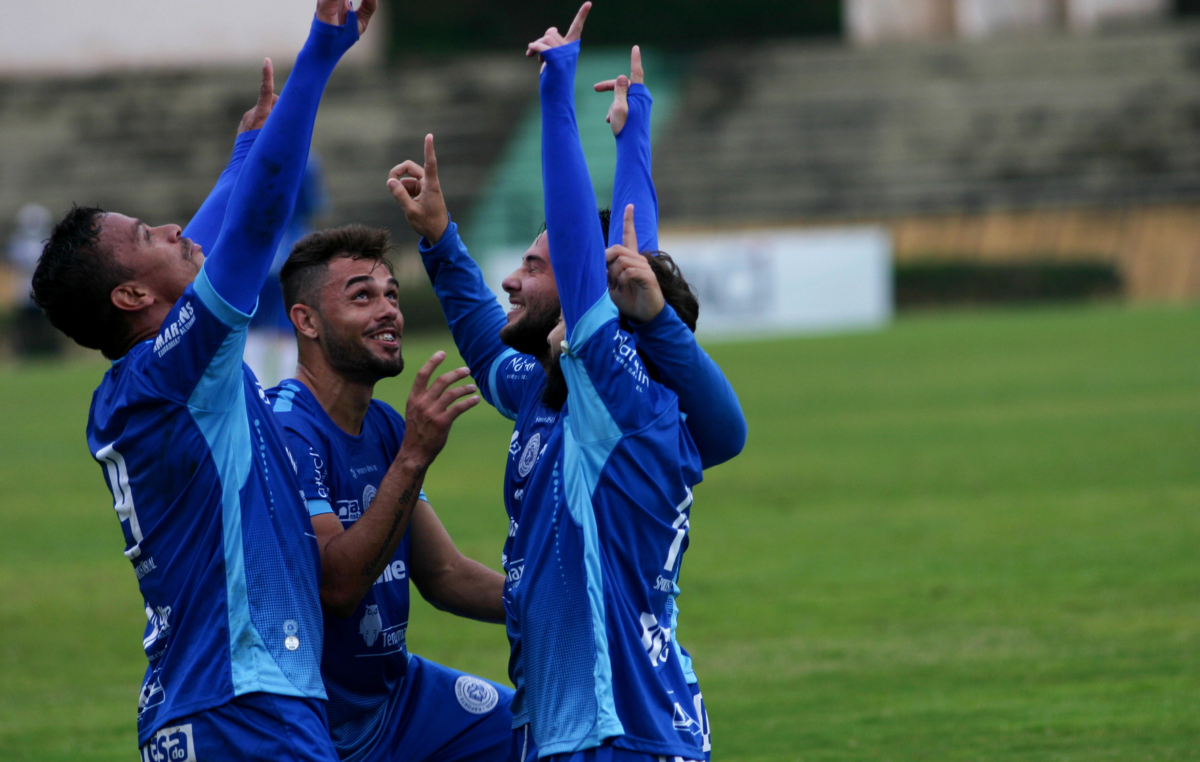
x: 202, y: 482
x: 516, y: 383
x: 362, y: 467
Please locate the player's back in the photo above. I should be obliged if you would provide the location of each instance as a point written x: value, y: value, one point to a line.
x: 210, y: 507
x: 365, y: 655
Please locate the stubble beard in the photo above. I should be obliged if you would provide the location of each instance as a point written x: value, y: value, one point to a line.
x: 529, y: 334
x: 349, y: 354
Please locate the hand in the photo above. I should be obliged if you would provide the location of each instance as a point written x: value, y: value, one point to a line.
x: 419, y: 193
x: 632, y: 284
x: 335, y: 11
x: 618, y: 112
x: 432, y: 409
x: 553, y: 38
x: 256, y: 117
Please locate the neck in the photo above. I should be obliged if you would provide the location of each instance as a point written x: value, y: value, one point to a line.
x: 345, y: 400
x: 144, y: 325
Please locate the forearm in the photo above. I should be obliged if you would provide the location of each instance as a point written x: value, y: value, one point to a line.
x: 354, y: 559
x: 714, y: 415
x: 205, y: 226
x: 472, y: 312
x: 262, y: 198
x: 469, y: 589
x: 634, y: 181
x: 576, y: 243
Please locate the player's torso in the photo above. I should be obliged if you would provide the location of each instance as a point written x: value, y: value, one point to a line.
x: 365, y: 654
x: 207, y: 502
x: 592, y: 561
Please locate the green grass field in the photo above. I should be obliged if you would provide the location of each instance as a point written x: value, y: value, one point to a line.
x: 974, y: 536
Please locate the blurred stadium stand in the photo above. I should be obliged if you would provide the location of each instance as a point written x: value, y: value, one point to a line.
x: 1039, y: 147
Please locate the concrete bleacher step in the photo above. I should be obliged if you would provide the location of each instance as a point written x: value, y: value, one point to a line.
x: 151, y: 144
x: 832, y: 131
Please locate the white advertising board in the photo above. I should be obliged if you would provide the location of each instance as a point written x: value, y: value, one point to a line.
x: 772, y: 282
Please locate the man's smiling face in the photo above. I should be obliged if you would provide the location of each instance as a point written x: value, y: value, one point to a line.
x: 361, y: 324
x: 533, y: 300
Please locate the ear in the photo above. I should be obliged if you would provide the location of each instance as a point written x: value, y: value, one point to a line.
x: 305, y: 320
x: 131, y: 297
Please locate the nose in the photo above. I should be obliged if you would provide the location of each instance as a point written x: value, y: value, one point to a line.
x: 512, y: 284
x: 172, y: 233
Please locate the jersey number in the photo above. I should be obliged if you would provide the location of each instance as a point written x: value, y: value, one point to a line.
x: 118, y: 481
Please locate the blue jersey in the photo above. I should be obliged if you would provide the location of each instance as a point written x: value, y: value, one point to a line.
x: 214, y: 524
x: 598, y: 540
x: 202, y: 482
x: 366, y: 655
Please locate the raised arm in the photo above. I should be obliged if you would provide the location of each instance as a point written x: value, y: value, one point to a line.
x: 633, y: 183
x: 265, y: 191
x: 714, y: 415
x: 206, y: 224
x: 576, y: 241
x: 471, y: 309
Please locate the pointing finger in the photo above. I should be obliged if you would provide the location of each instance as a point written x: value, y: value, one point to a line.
x: 629, y: 237
x: 576, y: 30
x: 430, y: 160
x: 636, y: 73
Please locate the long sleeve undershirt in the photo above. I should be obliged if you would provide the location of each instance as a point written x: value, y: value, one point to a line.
x: 206, y: 224
x: 715, y: 419
x: 261, y: 200
x: 576, y: 241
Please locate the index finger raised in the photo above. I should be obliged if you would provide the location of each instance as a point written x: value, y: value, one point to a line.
x: 629, y: 235
x: 636, y: 73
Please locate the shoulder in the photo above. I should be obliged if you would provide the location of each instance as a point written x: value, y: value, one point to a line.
x: 293, y: 406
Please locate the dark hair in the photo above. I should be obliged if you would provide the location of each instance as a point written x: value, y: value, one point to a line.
x: 676, y: 290
x: 605, y: 217
x: 305, y: 266
x: 74, y: 281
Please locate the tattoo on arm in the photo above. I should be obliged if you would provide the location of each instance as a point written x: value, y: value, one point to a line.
x: 407, y: 500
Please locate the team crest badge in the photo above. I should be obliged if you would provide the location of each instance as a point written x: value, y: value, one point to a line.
x: 529, y: 456
x: 475, y: 695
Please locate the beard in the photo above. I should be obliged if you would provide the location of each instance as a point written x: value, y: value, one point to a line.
x: 528, y: 335
x: 554, y: 396
x: 347, y: 353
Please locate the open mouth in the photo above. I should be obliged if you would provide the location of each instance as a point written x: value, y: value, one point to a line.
x: 388, y: 336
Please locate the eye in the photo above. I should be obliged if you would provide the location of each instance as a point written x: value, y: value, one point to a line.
x: 361, y: 295
x: 147, y: 234
x: 392, y: 295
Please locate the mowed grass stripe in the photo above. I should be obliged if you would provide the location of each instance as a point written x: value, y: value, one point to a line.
x: 970, y: 536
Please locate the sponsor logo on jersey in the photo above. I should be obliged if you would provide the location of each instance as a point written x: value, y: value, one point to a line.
x: 393, y: 572
x: 171, y: 335
x: 369, y: 469
x: 514, y: 444
x: 145, y: 567
x: 369, y: 493
x: 522, y: 364
x: 656, y: 639
x: 530, y: 455
x: 475, y: 695
x: 627, y: 356
x: 349, y: 510
x: 172, y: 744
x: 319, y: 474
x: 513, y: 525
x: 515, y: 571
x: 151, y: 695
x: 160, y: 626
x: 518, y: 496
x: 545, y: 418
x: 664, y: 585
x: 371, y: 625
